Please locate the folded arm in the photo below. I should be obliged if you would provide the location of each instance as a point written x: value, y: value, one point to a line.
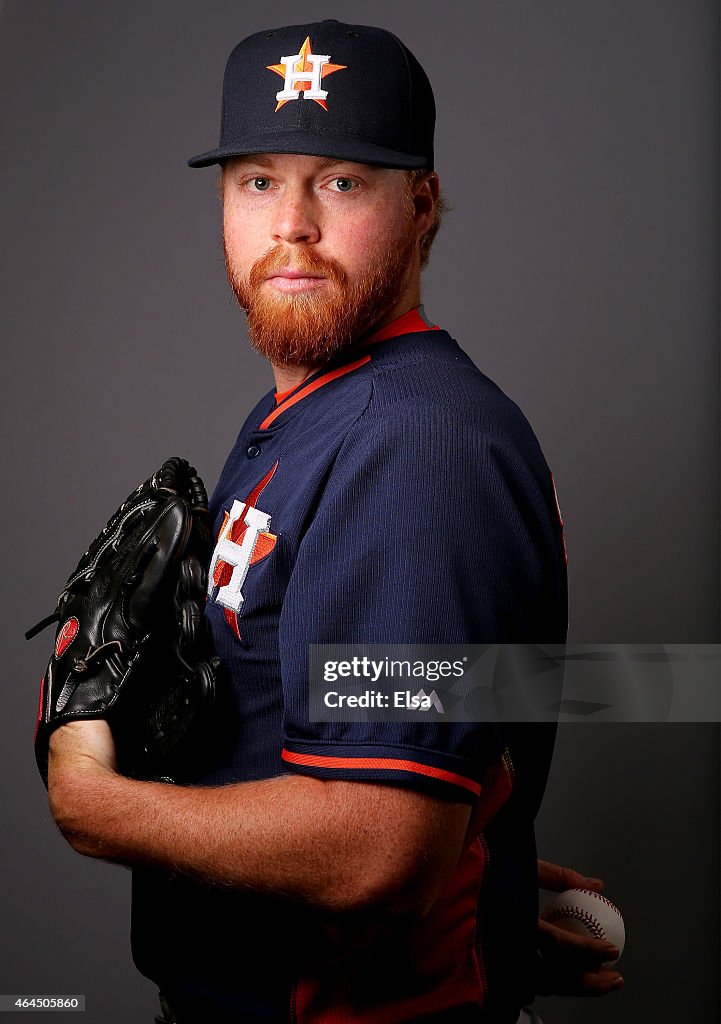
x: 335, y: 845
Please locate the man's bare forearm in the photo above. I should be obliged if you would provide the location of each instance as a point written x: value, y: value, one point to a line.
x: 336, y: 845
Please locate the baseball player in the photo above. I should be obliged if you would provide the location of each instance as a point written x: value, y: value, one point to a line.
x: 384, y: 492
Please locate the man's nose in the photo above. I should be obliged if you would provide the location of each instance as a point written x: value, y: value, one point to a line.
x: 294, y: 219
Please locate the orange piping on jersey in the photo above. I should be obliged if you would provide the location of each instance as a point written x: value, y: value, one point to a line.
x: 410, y: 323
x: 321, y: 761
x: 280, y: 396
x: 310, y: 388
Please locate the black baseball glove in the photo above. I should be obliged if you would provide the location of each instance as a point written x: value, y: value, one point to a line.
x: 132, y: 645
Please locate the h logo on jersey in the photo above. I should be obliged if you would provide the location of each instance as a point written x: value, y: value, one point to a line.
x: 243, y: 540
x: 302, y: 73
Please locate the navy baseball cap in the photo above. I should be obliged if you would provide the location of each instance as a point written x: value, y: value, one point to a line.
x: 326, y: 89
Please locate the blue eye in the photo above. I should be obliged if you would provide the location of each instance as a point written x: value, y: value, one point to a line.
x: 344, y: 184
x: 261, y: 184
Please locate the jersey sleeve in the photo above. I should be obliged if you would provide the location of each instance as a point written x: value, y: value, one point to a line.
x: 432, y: 528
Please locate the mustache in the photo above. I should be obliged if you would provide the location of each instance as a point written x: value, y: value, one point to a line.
x: 303, y: 259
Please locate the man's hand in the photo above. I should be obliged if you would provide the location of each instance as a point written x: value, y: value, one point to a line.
x: 89, y: 744
x: 78, y: 752
x: 570, y: 964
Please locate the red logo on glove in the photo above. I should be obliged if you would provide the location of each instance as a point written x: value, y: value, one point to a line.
x: 66, y: 636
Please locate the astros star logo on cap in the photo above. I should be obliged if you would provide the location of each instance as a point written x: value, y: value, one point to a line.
x: 303, y: 72
x: 378, y: 110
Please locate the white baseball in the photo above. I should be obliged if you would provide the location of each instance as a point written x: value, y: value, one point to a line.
x: 587, y: 913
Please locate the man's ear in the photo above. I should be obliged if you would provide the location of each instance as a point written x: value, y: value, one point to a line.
x: 425, y: 200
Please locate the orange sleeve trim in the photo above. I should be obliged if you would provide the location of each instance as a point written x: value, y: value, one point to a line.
x: 310, y: 388
x: 322, y: 761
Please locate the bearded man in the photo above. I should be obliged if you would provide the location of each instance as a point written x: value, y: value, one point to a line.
x: 385, y: 492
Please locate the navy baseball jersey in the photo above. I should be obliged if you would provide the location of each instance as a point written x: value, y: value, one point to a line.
x: 394, y: 496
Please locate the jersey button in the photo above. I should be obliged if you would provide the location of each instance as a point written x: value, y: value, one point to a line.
x: 253, y: 451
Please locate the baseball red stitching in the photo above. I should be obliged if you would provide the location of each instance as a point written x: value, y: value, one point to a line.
x: 602, y: 898
x: 580, y: 915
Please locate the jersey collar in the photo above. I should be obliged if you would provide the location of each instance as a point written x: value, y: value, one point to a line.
x: 413, y: 321
x: 408, y: 323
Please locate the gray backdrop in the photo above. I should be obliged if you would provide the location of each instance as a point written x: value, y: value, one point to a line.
x: 578, y: 145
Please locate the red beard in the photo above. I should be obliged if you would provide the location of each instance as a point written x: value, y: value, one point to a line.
x: 307, y: 329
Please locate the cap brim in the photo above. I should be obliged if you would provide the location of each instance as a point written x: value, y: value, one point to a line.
x: 310, y: 144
